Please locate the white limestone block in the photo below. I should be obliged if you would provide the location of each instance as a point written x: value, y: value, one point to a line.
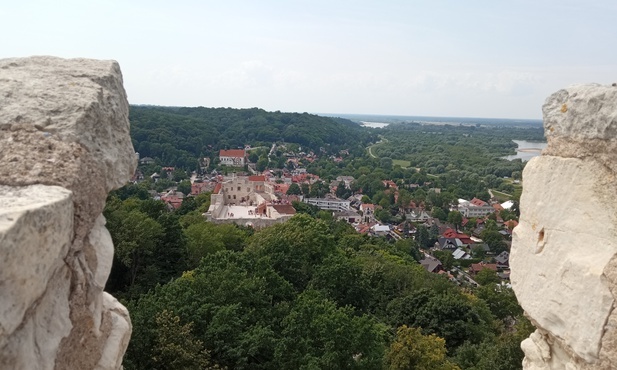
x: 119, y: 335
x: 36, y: 229
x: 75, y: 100
x: 560, y: 248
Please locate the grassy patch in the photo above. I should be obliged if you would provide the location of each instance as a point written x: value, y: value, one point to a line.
x: 401, y: 162
x: 502, y: 197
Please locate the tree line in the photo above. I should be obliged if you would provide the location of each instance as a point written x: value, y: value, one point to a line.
x: 180, y: 136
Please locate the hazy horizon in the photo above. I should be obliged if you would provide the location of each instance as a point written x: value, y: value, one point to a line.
x: 450, y: 58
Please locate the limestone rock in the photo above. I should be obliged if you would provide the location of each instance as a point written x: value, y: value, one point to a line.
x: 64, y: 144
x: 32, y: 234
x: 564, y: 249
x: 581, y: 121
x: 78, y: 101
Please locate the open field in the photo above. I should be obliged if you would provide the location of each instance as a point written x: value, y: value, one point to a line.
x: 401, y: 162
x: 502, y: 197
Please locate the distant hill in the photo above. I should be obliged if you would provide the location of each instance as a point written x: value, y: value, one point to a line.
x: 466, y: 121
x: 179, y: 135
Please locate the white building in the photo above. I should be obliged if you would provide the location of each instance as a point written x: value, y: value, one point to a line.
x: 329, y: 203
x: 233, y: 157
x: 474, y: 208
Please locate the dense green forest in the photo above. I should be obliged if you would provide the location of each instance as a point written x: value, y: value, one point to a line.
x: 441, y: 148
x: 307, y: 294
x: 180, y: 136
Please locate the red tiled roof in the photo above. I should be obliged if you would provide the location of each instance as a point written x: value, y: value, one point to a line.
x: 257, y: 178
x: 284, y: 209
x: 497, y: 207
x: 477, y: 267
x: 478, y: 202
x: 281, y: 188
x: 390, y: 184
x: 198, y: 187
x: 217, y: 188
x: 232, y: 153
x: 174, y: 201
x: 464, y: 238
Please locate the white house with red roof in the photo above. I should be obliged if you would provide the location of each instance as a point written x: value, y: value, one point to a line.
x: 233, y: 157
x: 474, y: 208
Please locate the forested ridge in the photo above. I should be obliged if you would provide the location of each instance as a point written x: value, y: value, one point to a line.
x: 179, y: 136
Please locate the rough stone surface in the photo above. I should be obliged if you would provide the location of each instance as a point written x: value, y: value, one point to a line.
x: 564, y: 251
x: 64, y: 144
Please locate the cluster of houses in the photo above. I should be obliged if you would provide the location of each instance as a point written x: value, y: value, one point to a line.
x: 460, y: 246
x: 260, y: 199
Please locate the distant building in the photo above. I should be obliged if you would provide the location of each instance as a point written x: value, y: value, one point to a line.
x: 329, y: 203
x: 431, y: 264
x: 381, y: 230
x: 349, y: 216
x: 477, y: 267
x: 345, y: 179
x: 146, y: 160
x: 503, y: 259
x: 474, y: 208
x: 247, y: 201
x: 233, y: 157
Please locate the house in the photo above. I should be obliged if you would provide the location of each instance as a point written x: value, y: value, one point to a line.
x: 233, y: 157
x: 201, y: 187
x: 474, y: 208
x: 460, y: 254
x: 510, y: 224
x: 367, y: 208
x: 464, y: 238
x: 349, y: 216
x: 503, y: 259
x: 368, y: 211
x: 411, y: 229
x: 363, y: 228
x: 146, y: 160
x: 477, y: 267
x: 448, y: 243
x: 431, y: 264
x: 381, y: 230
x: 172, y: 201
x: 418, y: 215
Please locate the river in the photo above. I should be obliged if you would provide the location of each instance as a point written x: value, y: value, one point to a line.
x: 526, y: 150
x: 374, y: 124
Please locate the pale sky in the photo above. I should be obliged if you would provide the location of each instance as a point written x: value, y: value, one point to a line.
x: 484, y: 58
